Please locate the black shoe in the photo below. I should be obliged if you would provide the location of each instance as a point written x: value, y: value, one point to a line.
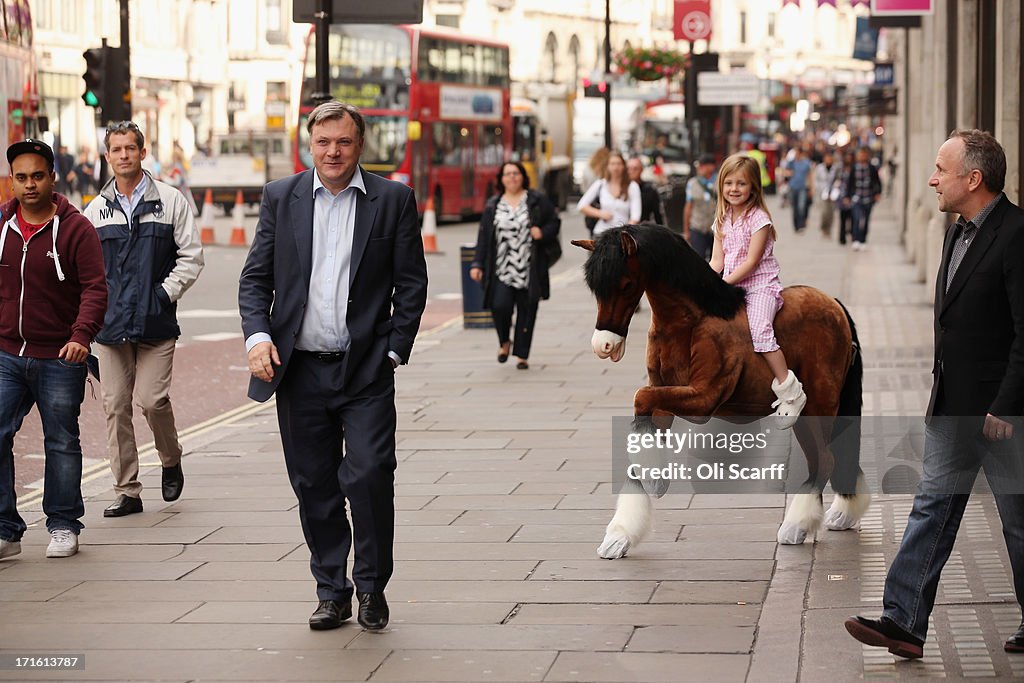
x: 885, y: 633
x: 1015, y: 643
x: 373, y: 611
x: 172, y: 481
x: 124, y: 505
x: 329, y: 614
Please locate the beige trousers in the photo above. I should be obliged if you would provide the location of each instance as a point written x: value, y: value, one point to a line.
x: 143, y: 370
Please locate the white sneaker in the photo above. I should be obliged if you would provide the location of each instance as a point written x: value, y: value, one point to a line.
x: 9, y: 548
x: 791, y: 402
x: 63, y: 543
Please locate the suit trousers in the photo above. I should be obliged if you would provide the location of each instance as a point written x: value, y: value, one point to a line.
x: 340, y: 446
x: 139, y: 371
x: 504, y: 300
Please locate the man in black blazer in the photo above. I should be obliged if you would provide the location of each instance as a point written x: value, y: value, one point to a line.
x: 977, y: 395
x: 331, y: 297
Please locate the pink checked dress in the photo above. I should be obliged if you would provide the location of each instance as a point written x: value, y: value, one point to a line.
x: 763, y: 286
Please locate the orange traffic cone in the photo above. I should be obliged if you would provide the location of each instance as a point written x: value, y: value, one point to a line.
x: 429, y: 230
x: 206, y: 235
x: 238, y: 223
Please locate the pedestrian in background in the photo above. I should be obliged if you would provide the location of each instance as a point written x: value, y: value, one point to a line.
x: 650, y: 202
x: 84, y: 170
x: 331, y: 297
x: 798, y: 178
x: 845, y: 209
x: 701, y: 204
x: 152, y: 254
x: 863, y: 190
x: 618, y: 197
x: 64, y: 167
x: 510, y: 260
x: 979, y: 373
x: 53, y: 288
x: 827, y: 191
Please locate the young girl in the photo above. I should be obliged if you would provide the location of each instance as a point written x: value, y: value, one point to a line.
x: 744, y: 239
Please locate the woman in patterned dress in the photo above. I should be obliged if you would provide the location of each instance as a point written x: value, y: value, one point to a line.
x: 509, y: 262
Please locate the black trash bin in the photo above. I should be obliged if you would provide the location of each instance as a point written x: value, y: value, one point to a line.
x: 473, y: 314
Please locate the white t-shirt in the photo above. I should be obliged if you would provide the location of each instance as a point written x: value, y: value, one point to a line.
x: 623, y: 210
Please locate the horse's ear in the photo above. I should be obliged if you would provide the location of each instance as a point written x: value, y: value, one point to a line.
x: 585, y: 244
x: 628, y: 244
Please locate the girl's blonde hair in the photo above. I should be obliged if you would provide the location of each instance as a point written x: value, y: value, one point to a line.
x: 749, y: 168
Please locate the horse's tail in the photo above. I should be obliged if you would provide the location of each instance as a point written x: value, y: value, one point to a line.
x: 846, y: 430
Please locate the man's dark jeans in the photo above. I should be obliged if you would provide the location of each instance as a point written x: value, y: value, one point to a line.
x: 57, y: 389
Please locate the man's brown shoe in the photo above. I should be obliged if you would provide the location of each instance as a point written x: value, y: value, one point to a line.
x: 886, y: 633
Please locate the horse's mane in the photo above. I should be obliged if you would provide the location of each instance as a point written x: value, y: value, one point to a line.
x: 664, y: 256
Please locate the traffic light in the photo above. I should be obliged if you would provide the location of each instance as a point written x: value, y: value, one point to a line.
x: 117, y: 103
x: 95, y: 70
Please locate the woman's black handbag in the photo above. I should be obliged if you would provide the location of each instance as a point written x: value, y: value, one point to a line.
x: 589, y: 221
x: 552, y: 250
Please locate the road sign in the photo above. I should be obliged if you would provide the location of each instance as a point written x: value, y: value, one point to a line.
x: 348, y: 12
x: 901, y: 7
x: 738, y: 87
x: 691, y: 20
x: 884, y: 73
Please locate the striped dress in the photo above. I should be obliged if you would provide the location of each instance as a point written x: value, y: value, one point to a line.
x: 763, y: 286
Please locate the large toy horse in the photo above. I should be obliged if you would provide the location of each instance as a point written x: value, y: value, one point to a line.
x: 701, y: 363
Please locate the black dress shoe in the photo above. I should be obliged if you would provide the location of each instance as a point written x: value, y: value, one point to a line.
x: 172, y: 481
x: 373, y: 611
x: 886, y: 633
x: 329, y: 614
x: 1015, y: 643
x: 124, y: 505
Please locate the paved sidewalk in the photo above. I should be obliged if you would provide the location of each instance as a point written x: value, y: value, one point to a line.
x: 504, y: 489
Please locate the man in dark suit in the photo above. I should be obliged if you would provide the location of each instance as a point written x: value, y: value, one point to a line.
x: 331, y: 297
x: 977, y: 396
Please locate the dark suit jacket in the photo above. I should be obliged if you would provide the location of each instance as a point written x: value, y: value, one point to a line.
x: 979, y: 322
x: 650, y: 203
x: 388, y: 276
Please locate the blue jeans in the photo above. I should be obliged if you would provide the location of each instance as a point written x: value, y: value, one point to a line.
x: 951, y: 463
x: 861, y: 215
x: 57, y: 389
x: 800, y: 205
x: 702, y: 243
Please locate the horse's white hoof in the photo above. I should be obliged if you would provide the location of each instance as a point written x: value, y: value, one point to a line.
x: 791, y: 534
x: 655, y: 487
x: 615, y: 545
x: 838, y: 520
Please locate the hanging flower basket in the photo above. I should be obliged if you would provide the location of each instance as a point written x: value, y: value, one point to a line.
x: 650, y: 63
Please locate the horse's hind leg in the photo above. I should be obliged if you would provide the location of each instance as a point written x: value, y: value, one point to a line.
x: 852, y: 497
x: 631, y: 523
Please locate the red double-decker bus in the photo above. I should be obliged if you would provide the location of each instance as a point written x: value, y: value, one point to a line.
x: 437, y: 109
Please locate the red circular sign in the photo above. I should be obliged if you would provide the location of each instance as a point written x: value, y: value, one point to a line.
x: 696, y: 25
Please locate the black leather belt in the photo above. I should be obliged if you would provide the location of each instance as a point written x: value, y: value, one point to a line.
x: 324, y: 356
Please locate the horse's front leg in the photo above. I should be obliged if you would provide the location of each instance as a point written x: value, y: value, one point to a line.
x: 806, y: 512
x: 630, y: 524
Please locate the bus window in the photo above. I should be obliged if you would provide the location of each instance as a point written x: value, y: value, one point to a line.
x: 490, y: 151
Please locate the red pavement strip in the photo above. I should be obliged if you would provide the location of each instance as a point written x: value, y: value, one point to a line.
x: 434, y: 323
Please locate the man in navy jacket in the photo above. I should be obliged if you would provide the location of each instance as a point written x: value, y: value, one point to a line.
x: 331, y: 297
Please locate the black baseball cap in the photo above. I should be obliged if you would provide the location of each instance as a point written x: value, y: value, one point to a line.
x: 706, y: 159
x: 30, y: 146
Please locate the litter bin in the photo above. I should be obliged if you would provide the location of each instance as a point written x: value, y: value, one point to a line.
x: 473, y: 314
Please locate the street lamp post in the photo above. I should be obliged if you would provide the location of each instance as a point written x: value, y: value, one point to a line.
x: 607, y: 74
